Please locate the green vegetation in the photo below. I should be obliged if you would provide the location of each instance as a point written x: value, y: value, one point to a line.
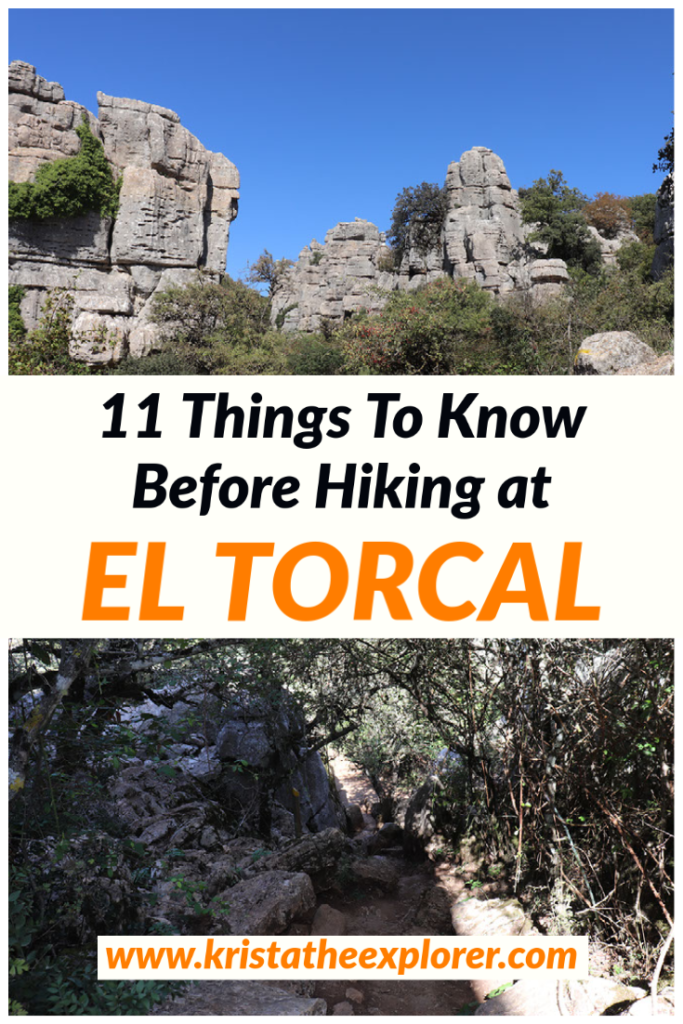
x: 45, y: 351
x: 559, y: 212
x: 416, y: 220
x: 70, y: 186
x: 443, y: 327
x: 267, y: 270
x: 17, y: 327
x: 553, y: 762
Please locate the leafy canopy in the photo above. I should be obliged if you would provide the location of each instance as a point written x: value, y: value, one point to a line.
x: 416, y: 219
x: 70, y: 186
x: 267, y: 270
x: 558, y: 210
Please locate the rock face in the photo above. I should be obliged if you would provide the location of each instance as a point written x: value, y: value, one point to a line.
x: 664, y: 230
x: 482, y: 239
x: 333, y: 280
x: 483, y: 233
x: 176, y: 204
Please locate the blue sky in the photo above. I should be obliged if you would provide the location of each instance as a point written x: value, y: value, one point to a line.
x: 329, y: 114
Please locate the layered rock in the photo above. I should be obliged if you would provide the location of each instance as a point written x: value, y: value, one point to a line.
x: 482, y: 239
x: 333, y: 280
x: 483, y: 232
x: 177, y: 201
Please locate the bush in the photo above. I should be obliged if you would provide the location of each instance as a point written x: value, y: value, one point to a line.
x: 219, y: 328
x: 17, y: 327
x: 45, y: 351
x: 68, y: 187
x: 608, y: 213
x: 312, y: 355
x: 642, y: 212
x: 558, y: 209
x: 442, y: 328
x: 169, y: 363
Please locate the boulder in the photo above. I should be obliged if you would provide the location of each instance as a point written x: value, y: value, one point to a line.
x: 389, y: 835
x: 239, y: 999
x: 490, y: 917
x: 269, y: 902
x: 381, y: 872
x: 420, y: 820
x: 537, y: 998
x: 611, y: 351
x: 314, y: 854
x: 328, y: 921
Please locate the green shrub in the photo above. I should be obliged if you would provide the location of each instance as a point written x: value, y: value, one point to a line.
x: 221, y: 328
x: 442, y: 328
x: 170, y: 362
x: 45, y: 351
x: 70, y: 186
x: 17, y: 327
x: 311, y: 355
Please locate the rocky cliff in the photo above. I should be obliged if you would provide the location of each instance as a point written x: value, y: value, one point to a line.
x: 482, y: 239
x: 177, y: 201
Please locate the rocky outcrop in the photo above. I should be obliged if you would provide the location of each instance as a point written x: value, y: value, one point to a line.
x: 333, y: 280
x: 619, y: 352
x: 482, y: 239
x: 483, y: 234
x: 664, y: 230
x: 176, y: 203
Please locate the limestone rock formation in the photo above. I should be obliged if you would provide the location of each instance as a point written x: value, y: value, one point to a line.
x: 176, y: 203
x: 483, y: 233
x: 333, y: 280
x: 482, y: 239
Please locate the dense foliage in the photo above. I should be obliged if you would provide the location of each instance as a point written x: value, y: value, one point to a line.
x: 558, y: 210
x: 442, y: 328
x: 69, y: 186
x: 553, y: 757
x: 417, y: 220
x: 45, y: 350
x: 17, y: 327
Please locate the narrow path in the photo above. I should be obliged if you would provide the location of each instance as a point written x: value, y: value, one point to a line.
x: 418, y: 904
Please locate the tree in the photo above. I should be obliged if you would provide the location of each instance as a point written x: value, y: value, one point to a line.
x: 417, y: 219
x: 269, y: 271
x: 558, y: 210
x: 665, y: 163
x: 608, y: 213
